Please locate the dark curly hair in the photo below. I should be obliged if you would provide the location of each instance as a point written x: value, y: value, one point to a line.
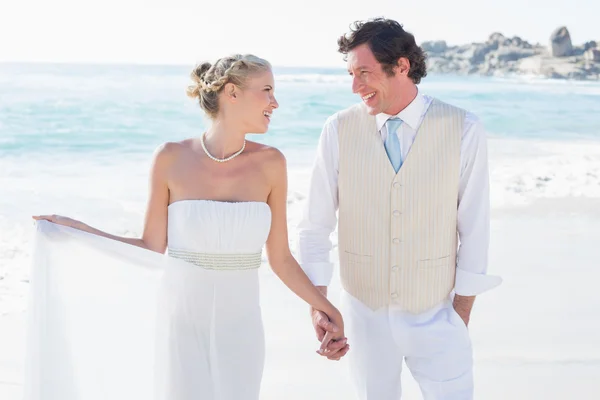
x: 388, y: 41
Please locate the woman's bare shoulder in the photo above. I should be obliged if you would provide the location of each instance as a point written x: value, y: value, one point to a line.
x: 168, y: 151
x: 272, y: 162
x: 268, y: 154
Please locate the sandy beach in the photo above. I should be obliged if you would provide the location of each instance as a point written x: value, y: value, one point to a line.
x: 537, y: 336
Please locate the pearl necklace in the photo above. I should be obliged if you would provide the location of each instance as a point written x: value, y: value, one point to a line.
x: 222, y: 160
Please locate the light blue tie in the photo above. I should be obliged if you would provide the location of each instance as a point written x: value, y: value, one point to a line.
x: 392, y: 144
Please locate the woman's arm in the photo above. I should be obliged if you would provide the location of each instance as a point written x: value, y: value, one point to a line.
x: 280, y: 257
x: 154, y: 235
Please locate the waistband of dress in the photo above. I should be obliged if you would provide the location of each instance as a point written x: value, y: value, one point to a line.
x: 219, y: 261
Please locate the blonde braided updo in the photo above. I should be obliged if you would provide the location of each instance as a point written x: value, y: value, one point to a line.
x: 209, y: 80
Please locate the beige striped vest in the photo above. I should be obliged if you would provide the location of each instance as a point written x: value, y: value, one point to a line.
x: 397, y: 232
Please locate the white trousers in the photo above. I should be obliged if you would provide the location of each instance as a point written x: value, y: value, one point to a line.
x: 435, y: 345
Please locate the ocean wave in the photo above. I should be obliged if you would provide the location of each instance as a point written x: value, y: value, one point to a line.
x: 315, y: 78
x: 523, y: 171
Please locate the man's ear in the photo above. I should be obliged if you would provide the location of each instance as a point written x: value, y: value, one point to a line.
x: 403, y: 66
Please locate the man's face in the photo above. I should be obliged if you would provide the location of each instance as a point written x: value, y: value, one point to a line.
x: 376, y: 89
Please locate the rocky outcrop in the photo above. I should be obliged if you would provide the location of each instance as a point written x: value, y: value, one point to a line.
x: 560, y: 43
x: 501, y: 56
x: 438, y: 46
x: 592, y: 55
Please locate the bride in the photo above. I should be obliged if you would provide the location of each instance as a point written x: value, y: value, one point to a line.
x: 214, y: 202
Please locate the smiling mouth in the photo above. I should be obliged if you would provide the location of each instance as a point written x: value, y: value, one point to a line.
x: 267, y: 114
x: 368, y: 96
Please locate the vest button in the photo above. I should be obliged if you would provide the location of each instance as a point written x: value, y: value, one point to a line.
x: 396, y: 241
x: 397, y: 185
x: 394, y: 295
x: 396, y: 213
x: 395, y: 268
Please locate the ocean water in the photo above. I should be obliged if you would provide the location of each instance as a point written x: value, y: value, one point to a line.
x: 94, y: 109
x: 77, y: 140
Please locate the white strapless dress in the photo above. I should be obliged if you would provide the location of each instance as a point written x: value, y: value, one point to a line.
x: 114, y: 321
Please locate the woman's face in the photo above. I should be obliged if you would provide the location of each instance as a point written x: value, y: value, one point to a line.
x: 256, y: 101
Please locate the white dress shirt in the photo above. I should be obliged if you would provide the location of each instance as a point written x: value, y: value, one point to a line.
x: 320, y: 213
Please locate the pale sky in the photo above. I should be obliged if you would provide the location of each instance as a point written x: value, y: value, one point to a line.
x: 287, y: 33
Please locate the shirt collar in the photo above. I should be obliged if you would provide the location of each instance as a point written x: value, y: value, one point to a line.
x: 411, y: 114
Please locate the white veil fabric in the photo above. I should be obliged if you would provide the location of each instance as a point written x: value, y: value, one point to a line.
x: 93, y: 317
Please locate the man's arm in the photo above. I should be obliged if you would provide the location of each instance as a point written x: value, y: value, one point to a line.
x: 319, y: 217
x: 473, y: 220
x: 318, y: 222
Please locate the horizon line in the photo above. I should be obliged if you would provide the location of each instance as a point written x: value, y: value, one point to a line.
x: 145, y: 64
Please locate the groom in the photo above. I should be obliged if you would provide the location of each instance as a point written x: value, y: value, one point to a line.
x: 408, y: 175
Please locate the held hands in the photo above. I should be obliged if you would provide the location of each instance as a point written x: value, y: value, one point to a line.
x: 330, y: 332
